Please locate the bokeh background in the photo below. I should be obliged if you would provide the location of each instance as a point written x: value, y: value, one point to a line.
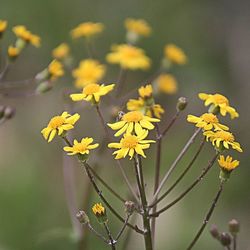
x: 216, y: 37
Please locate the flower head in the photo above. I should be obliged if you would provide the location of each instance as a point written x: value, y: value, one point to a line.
x: 98, y: 209
x: 81, y: 147
x: 55, y: 69
x: 146, y: 91
x: 167, y: 84
x: 133, y: 121
x: 175, y: 54
x: 219, y: 101
x: 92, y: 92
x: 13, y: 52
x: 228, y: 164
x: 87, y: 30
x: 156, y: 110
x: 128, y: 57
x: 61, y: 51
x: 207, y: 121
x: 136, y: 105
x: 138, y: 26
x: 3, y: 26
x: 59, y: 124
x: 131, y: 144
x: 222, y: 139
x: 23, y: 33
x: 89, y: 71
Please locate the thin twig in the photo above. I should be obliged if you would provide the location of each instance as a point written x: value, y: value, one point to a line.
x: 183, y: 194
x: 123, y: 228
x: 234, y: 242
x: 207, y: 217
x: 174, y: 164
x: 97, y: 234
x: 171, y: 123
x: 111, y: 241
x: 121, y: 80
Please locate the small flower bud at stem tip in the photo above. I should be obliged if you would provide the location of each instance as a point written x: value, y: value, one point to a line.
x: 82, y: 217
x: 234, y: 226
x: 129, y: 207
x: 181, y: 104
x: 214, y: 231
x: 225, y: 239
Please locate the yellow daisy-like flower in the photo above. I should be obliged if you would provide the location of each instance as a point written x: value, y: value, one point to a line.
x: 167, y: 84
x: 59, y: 124
x: 13, y: 52
x: 98, y: 209
x: 22, y: 32
x: 128, y: 57
x: 92, y: 92
x: 175, y: 54
x: 131, y: 144
x: 136, y: 105
x: 82, y: 147
x: 89, y: 71
x: 207, y: 121
x: 222, y: 138
x: 156, y: 110
x: 87, y: 29
x: 138, y: 26
x: 61, y: 51
x: 228, y: 163
x: 133, y: 121
x: 145, y: 91
x: 3, y: 26
x: 220, y: 101
x: 55, y: 69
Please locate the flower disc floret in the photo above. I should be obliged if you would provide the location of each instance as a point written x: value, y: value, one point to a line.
x: 133, y: 121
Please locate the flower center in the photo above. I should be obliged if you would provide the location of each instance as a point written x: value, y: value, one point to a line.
x: 210, y: 118
x: 130, y: 52
x: 133, y: 116
x: 56, y: 122
x: 220, y: 99
x: 225, y: 136
x: 91, y: 89
x: 129, y: 141
x: 80, y: 147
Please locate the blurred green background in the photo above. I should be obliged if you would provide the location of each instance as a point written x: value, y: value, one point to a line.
x: 216, y: 37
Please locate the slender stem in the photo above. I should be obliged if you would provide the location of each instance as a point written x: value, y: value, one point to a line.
x: 106, y: 185
x: 97, y: 234
x: 183, y: 194
x: 89, y: 48
x: 207, y: 217
x: 121, y: 80
x: 234, y: 242
x: 182, y: 174
x: 5, y: 71
x: 123, y: 228
x: 174, y: 164
x: 141, y: 186
x: 171, y: 123
x: 111, y: 241
x: 125, y: 243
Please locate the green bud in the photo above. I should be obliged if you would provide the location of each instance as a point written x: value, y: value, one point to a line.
x: 181, y: 104
x: 43, y: 75
x: 234, y: 226
x: 43, y: 87
x: 20, y: 44
x: 82, y: 217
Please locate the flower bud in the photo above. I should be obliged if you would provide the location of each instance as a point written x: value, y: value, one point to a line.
x: 82, y: 217
x: 225, y: 239
x: 181, y: 104
x: 234, y: 226
x: 100, y: 213
x: 43, y: 87
x: 9, y: 112
x: 129, y: 207
x: 214, y: 231
x: 132, y: 37
x: 43, y: 75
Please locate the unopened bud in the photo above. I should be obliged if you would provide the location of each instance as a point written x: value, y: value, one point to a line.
x: 9, y: 112
x: 225, y: 239
x: 214, y: 231
x: 43, y: 75
x: 234, y: 226
x: 129, y: 207
x: 82, y: 217
x: 43, y: 87
x: 181, y: 104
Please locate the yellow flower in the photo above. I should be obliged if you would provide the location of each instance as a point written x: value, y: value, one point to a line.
x: 207, y: 121
x: 131, y: 144
x: 13, y: 51
x: 92, y: 92
x: 55, y: 69
x: 175, y: 54
x: 87, y: 29
x: 61, y: 51
x: 155, y: 110
x: 136, y: 105
x: 98, y: 209
x: 228, y: 164
x: 133, y: 121
x: 59, y: 124
x: 22, y: 32
x: 138, y: 26
x: 223, y: 139
x: 89, y: 71
x: 145, y: 91
x: 3, y: 26
x: 167, y: 83
x: 82, y: 147
x: 128, y: 57
x: 220, y: 101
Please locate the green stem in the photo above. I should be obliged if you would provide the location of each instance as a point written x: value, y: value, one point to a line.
x: 111, y: 240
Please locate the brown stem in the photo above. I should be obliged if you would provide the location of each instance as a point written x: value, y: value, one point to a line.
x: 171, y: 123
x: 123, y: 228
x: 111, y: 241
x: 121, y: 80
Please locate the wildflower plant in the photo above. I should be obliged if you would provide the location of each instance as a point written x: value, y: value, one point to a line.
x: 131, y: 134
